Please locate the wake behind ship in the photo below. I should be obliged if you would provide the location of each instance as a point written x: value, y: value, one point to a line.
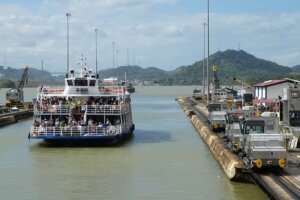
x: 82, y: 111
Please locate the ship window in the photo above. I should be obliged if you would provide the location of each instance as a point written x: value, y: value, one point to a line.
x: 70, y: 82
x: 92, y: 82
x: 80, y: 82
x: 294, y: 95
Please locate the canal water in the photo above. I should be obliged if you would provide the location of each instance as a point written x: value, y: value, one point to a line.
x: 165, y: 159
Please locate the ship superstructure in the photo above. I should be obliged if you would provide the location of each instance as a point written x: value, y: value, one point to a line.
x: 82, y: 111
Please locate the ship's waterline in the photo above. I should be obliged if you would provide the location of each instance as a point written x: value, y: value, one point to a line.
x: 165, y: 159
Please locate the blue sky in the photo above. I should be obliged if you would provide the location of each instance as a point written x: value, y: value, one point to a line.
x: 162, y: 33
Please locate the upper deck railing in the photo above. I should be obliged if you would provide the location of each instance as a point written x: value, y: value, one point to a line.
x: 40, y: 109
x: 76, y: 131
x: 103, y: 90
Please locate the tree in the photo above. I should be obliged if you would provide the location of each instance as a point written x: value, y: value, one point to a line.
x: 7, y: 84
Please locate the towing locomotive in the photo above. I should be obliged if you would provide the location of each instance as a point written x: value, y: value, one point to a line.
x: 256, y: 140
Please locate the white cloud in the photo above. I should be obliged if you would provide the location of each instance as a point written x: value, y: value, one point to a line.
x: 159, y: 39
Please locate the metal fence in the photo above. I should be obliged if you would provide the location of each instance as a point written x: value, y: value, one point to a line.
x: 88, y: 109
x: 78, y: 131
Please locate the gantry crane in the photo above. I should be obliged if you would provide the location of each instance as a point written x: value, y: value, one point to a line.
x: 15, y: 96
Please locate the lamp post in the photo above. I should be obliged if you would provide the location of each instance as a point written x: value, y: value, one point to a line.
x: 113, y: 54
x: 68, y: 17
x: 96, y: 41
x: 42, y: 71
x: 117, y: 57
x: 207, y: 52
x: 113, y: 59
x: 128, y: 57
x: 203, y: 62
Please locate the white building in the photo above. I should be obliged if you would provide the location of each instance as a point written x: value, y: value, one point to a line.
x: 272, y: 89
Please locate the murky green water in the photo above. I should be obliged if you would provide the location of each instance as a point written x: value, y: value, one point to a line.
x: 166, y: 159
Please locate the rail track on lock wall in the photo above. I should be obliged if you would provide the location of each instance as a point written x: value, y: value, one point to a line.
x: 191, y: 103
x: 277, y: 184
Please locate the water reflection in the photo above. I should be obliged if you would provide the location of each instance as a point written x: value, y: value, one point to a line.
x: 152, y: 136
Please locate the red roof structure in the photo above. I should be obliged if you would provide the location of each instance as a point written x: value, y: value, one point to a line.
x: 271, y: 82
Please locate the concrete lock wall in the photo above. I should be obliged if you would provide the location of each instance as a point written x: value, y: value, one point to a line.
x: 229, y: 162
x: 10, y: 118
x: 7, y: 120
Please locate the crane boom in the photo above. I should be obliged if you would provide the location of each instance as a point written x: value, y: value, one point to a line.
x: 23, y: 79
x: 15, y: 96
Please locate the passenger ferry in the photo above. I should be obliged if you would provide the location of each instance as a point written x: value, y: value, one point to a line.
x: 82, y: 111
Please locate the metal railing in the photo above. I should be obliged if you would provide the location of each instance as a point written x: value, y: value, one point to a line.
x: 263, y: 140
x: 50, y: 90
x: 78, y: 131
x: 51, y: 109
x: 107, y: 109
x: 115, y: 90
x: 89, y: 109
x: 106, y: 90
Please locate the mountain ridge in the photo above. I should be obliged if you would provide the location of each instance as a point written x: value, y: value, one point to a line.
x: 229, y: 63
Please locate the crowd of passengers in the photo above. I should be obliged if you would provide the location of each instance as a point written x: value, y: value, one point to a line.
x: 77, y: 105
x: 68, y: 124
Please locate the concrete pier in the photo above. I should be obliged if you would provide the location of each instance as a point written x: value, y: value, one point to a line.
x: 229, y: 162
x: 13, y: 117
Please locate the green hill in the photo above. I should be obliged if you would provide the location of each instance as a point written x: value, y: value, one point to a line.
x: 35, y: 76
x: 134, y: 73
x: 296, y: 68
x: 230, y: 63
